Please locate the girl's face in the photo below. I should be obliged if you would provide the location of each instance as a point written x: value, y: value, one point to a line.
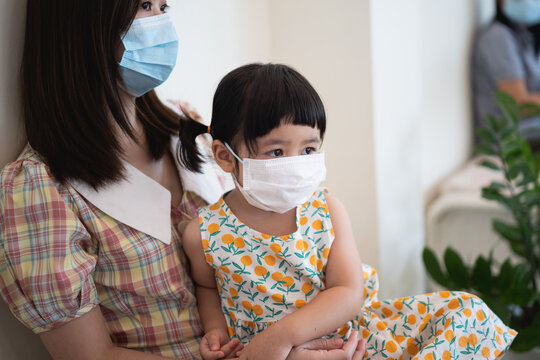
x: 285, y: 140
x: 151, y: 8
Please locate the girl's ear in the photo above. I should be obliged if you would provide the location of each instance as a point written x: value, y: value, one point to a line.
x: 223, y: 156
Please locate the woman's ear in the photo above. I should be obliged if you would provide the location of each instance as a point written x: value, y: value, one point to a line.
x: 223, y: 156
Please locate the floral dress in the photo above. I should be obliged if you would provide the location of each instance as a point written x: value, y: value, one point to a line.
x: 262, y: 278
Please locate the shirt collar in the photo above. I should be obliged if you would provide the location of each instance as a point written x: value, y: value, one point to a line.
x: 137, y: 201
x: 142, y: 203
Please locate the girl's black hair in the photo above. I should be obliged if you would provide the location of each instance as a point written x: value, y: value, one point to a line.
x: 503, y: 19
x: 252, y: 100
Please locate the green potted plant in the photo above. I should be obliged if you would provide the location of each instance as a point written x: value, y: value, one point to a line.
x: 511, y: 288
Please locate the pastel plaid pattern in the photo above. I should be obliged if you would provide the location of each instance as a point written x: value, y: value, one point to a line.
x: 60, y: 257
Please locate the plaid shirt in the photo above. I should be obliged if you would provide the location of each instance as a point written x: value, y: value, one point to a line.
x: 61, y: 256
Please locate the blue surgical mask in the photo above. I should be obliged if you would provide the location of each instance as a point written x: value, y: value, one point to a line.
x: 523, y: 12
x: 151, y: 47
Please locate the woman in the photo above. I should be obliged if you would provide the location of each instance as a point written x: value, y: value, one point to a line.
x: 90, y: 211
x: 506, y: 59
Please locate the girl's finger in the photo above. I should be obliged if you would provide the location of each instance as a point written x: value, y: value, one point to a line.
x: 213, y: 342
x: 230, y: 347
x: 207, y: 353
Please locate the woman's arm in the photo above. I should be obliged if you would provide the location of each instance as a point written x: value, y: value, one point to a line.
x: 339, y: 303
x: 517, y: 89
x: 215, y: 344
x: 87, y: 338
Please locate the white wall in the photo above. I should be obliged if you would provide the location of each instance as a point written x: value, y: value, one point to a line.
x: 12, y: 19
x: 329, y: 43
x: 216, y: 36
x: 397, y: 108
x: 420, y: 52
x: 446, y: 128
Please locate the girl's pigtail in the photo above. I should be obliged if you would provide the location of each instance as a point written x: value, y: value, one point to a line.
x: 189, y: 154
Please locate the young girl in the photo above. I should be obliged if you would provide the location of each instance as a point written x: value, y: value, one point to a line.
x: 275, y: 261
x: 266, y: 251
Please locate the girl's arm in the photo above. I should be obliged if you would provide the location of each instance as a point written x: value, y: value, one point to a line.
x: 339, y: 303
x: 215, y: 344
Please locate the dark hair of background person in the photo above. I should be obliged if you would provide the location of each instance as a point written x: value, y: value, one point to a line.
x: 253, y: 99
x: 503, y: 19
x: 71, y: 90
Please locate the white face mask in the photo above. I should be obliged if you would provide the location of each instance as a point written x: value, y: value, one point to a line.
x: 282, y: 183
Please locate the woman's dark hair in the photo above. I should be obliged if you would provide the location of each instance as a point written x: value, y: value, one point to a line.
x: 503, y: 19
x: 253, y: 99
x: 71, y: 89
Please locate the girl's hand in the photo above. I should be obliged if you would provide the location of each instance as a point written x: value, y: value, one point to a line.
x: 330, y: 349
x: 215, y: 344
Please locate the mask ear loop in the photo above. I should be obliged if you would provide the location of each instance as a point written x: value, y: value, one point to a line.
x: 234, y: 154
x: 238, y: 158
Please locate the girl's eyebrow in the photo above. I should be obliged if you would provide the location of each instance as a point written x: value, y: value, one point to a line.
x: 277, y: 141
x: 313, y: 140
x: 274, y: 142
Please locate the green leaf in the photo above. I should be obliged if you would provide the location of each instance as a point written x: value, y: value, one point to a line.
x: 512, y: 153
x: 509, y: 232
x: 528, y: 337
x: 434, y: 269
x: 457, y: 271
x: 490, y: 165
x: 520, y: 297
x: 481, y: 277
x: 491, y: 123
x: 515, y: 171
x: 486, y: 136
x: 484, y: 150
x: 498, y: 185
x: 508, y: 106
x: 505, y: 276
x: 529, y: 108
x: 530, y: 198
x: 513, y: 235
x: 493, y: 194
x: 522, y: 276
x: 508, y: 133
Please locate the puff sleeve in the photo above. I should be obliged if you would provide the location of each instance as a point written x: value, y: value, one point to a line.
x: 47, y: 257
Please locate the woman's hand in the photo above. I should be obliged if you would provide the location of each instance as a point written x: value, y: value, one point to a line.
x: 330, y: 349
x: 266, y: 345
x: 215, y: 344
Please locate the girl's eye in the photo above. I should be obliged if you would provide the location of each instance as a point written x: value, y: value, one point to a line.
x: 276, y: 153
x: 164, y: 8
x: 309, y: 150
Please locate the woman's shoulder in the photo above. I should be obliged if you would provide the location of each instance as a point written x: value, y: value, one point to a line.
x: 495, y: 35
x: 29, y: 166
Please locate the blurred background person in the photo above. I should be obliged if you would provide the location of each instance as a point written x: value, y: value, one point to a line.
x: 505, y: 58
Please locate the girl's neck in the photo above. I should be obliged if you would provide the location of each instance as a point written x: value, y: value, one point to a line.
x: 266, y: 222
